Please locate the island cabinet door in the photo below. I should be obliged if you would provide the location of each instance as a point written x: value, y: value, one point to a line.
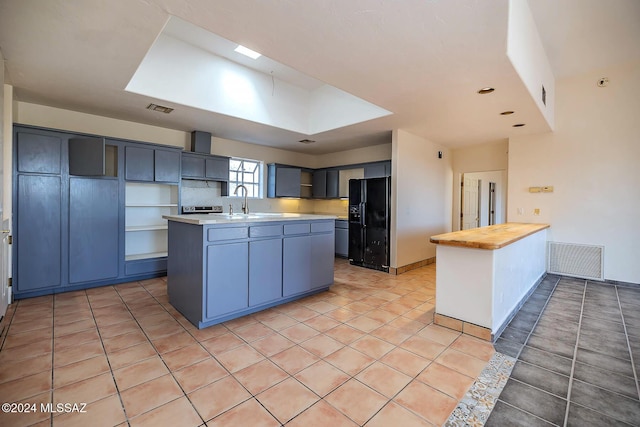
x: 296, y: 262
x: 322, y: 259
x: 265, y: 271
x: 227, y: 278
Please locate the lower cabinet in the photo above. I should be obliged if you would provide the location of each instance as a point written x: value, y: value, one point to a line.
x: 342, y: 238
x: 39, y: 232
x: 240, y: 269
x: 265, y: 271
x: 227, y: 279
x: 296, y: 261
x: 93, y: 229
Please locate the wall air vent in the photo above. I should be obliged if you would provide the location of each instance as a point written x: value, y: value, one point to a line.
x: 307, y: 141
x: 570, y: 259
x: 160, y: 108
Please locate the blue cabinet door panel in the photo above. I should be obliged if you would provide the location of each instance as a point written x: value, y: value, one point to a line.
x: 319, y: 188
x: 288, y: 182
x: 39, y: 232
x: 342, y: 242
x: 167, y: 166
x: 139, y: 164
x: 265, y: 271
x: 93, y: 229
x: 38, y: 153
x: 227, y: 283
x: 296, y: 265
x: 217, y: 168
x: 192, y: 167
x: 332, y: 184
x: 322, y: 259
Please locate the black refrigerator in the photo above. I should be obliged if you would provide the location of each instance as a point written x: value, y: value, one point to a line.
x: 369, y: 222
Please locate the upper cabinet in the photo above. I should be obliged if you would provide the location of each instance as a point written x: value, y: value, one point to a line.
x: 148, y: 164
x: 90, y: 156
x: 38, y: 153
x: 328, y: 183
x: 205, y: 167
x: 284, y: 181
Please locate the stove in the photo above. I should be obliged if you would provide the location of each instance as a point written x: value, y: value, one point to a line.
x: 201, y: 209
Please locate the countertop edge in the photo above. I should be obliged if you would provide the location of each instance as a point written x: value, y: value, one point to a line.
x: 487, y: 245
x: 203, y: 219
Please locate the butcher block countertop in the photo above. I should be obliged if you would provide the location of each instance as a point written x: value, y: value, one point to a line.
x: 491, y: 237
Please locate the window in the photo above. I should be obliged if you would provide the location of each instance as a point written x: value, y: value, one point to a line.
x: 245, y: 172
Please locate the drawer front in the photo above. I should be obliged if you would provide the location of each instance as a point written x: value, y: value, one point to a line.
x: 297, y: 228
x: 218, y: 234
x: 322, y: 227
x: 265, y: 231
x: 342, y: 223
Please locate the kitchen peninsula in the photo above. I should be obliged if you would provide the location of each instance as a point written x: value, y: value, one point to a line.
x: 484, y: 274
x: 223, y: 266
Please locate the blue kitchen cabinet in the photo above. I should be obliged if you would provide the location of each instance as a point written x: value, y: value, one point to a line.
x: 342, y: 238
x: 322, y: 253
x: 205, y: 167
x: 319, y: 189
x: 39, y: 232
x: 333, y: 190
x: 93, y: 229
x: 265, y: 264
x: 216, y: 168
x: 221, y: 272
x: 37, y: 153
x: 227, y: 281
x: 377, y: 169
x: 265, y: 271
x: 139, y: 165
x: 166, y: 165
x: 296, y: 261
x: 150, y: 164
x: 283, y: 181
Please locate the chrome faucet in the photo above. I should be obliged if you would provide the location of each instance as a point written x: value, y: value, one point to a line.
x: 245, y: 205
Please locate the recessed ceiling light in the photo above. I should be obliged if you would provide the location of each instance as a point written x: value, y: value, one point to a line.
x: 247, y: 52
x: 307, y: 141
x: 518, y: 125
x: 506, y: 113
x: 160, y: 108
x: 486, y: 90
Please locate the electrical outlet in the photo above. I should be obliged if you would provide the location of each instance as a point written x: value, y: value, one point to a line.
x: 534, y: 189
x: 547, y: 189
x: 520, y: 211
x: 536, y: 211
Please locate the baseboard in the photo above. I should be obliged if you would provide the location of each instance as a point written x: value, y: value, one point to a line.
x: 412, y: 266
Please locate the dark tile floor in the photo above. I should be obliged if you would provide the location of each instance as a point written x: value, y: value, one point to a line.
x: 577, y: 345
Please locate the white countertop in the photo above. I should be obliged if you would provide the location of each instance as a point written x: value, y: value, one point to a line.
x: 223, y: 218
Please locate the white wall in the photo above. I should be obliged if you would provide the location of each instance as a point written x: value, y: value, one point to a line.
x: 420, y: 197
x: 592, y: 162
x: 528, y: 57
x: 374, y: 153
x: 492, y: 156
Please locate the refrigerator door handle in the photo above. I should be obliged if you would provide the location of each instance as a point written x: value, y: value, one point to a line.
x: 363, y: 220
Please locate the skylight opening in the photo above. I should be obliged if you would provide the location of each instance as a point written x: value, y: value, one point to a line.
x: 247, y: 52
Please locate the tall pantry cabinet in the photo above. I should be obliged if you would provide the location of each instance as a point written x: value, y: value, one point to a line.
x: 69, y: 205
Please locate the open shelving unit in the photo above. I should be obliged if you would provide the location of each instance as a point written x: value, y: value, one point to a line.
x: 145, y: 229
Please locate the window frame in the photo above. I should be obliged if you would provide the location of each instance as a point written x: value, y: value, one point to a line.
x: 241, y: 179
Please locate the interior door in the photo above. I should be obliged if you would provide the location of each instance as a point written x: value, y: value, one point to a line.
x: 470, y: 203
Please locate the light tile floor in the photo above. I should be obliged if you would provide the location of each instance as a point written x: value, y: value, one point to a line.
x: 365, y: 352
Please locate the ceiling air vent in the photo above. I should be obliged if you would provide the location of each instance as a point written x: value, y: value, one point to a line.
x: 307, y: 141
x: 160, y: 108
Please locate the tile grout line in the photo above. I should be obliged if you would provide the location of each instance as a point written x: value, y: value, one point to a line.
x: 517, y: 357
x: 626, y: 334
x: 575, y: 356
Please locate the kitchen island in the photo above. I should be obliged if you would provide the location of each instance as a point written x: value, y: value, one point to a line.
x: 222, y: 266
x: 484, y: 275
